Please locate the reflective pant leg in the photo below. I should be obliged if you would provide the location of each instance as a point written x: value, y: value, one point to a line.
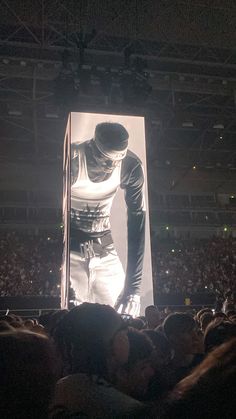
x: 109, y: 279
x: 79, y: 277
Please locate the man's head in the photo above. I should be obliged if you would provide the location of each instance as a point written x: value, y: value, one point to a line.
x: 134, y: 377
x: 206, y: 319
x: 217, y: 333
x: 180, y: 329
x: 90, y: 336
x: 162, y: 352
x: 152, y: 316
x: 110, y: 145
x: 28, y: 368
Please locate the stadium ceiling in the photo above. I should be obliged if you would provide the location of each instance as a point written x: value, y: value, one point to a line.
x: 184, y: 51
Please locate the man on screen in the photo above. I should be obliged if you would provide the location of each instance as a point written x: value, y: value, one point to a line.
x: 98, y: 168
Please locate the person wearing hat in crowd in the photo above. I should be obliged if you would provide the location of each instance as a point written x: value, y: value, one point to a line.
x: 99, y: 167
x: 93, y: 345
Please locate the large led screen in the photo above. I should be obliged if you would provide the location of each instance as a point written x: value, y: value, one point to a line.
x: 106, y: 235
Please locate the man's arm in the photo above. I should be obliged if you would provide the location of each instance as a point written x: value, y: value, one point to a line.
x: 134, y: 198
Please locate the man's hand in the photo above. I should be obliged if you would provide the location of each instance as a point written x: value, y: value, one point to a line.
x: 129, y: 305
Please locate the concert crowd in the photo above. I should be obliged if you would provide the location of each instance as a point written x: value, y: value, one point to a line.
x: 91, y: 362
x: 30, y: 265
x: 195, y: 266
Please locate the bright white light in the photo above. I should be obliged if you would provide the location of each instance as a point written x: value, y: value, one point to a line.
x: 167, y: 272
x: 173, y: 250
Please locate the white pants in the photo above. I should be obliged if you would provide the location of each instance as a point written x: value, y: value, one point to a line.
x: 97, y: 280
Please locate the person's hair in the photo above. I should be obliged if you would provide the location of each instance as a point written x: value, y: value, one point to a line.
x: 201, y: 312
x: 112, y: 135
x: 28, y: 375
x: 12, y: 318
x: 150, y: 309
x: 231, y: 313
x: 159, y: 340
x: 217, y: 333
x: 220, y: 315
x: 140, y: 347
x: 229, y: 308
x: 5, y: 326
x: 177, y: 323
x: 206, y: 319
x: 50, y: 320
x: 207, y: 393
x: 84, y: 335
x: 137, y: 323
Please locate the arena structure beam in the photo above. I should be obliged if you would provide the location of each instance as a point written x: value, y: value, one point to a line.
x: 193, y: 82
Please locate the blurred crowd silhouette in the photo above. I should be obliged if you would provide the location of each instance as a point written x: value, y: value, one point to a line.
x: 91, y: 362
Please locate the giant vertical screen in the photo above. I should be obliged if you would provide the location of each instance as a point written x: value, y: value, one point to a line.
x: 100, y: 200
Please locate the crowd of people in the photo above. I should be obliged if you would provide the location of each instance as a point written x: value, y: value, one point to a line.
x: 195, y: 266
x: 30, y: 264
x: 91, y: 362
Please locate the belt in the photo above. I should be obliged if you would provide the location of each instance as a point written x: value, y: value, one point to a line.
x: 97, y: 246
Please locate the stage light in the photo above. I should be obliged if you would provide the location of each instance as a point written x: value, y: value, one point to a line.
x: 167, y: 272
x: 49, y: 238
x: 14, y: 112
x: 52, y: 115
x: 50, y: 271
x: 225, y: 229
x: 218, y: 126
x: 232, y: 196
x: 194, y: 167
x: 167, y: 227
x: 173, y: 250
x: 187, y: 124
